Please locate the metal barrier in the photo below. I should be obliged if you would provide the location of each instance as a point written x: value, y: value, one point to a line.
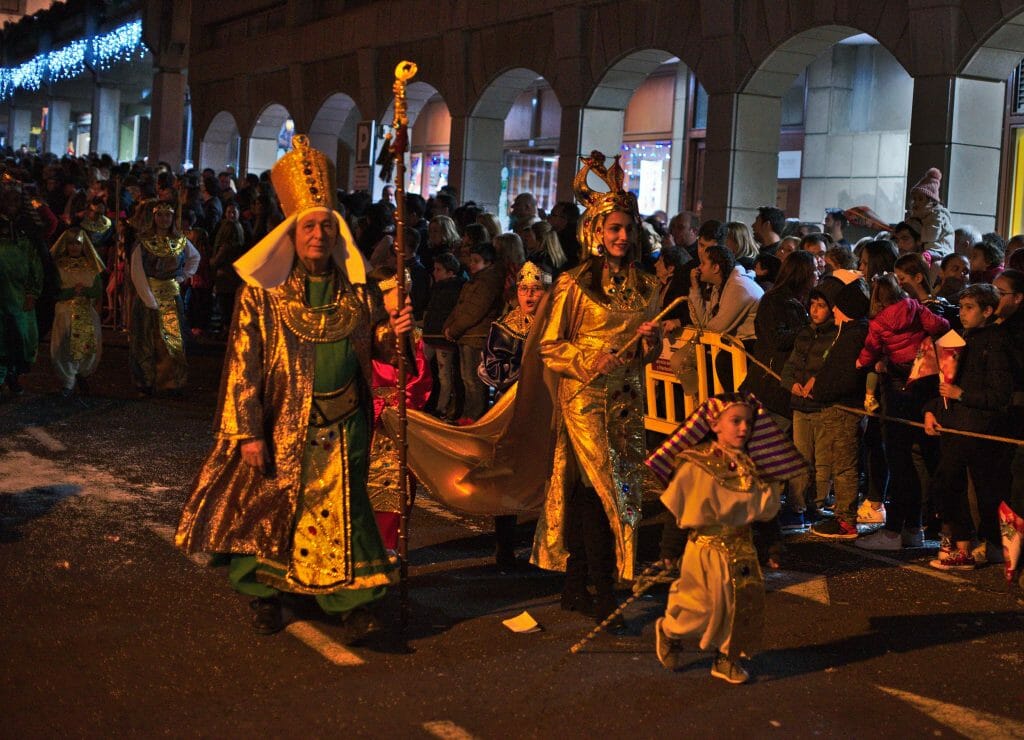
x: 665, y: 392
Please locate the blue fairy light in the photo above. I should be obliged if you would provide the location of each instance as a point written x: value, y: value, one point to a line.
x: 122, y: 44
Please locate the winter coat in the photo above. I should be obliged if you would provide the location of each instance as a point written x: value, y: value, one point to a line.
x: 898, y: 330
x: 481, y: 301
x: 780, y: 317
x: 443, y: 297
x: 839, y: 381
x: 731, y: 308
x: 984, y: 373
x: 935, y: 226
x: 807, y: 359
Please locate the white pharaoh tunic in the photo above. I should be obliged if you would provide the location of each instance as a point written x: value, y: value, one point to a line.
x: 717, y: 494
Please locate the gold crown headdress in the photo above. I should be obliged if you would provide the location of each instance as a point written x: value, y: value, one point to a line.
x: 533, y: 274
x: 303, y: 179
x: 163, y: 205
x: 598, y: 205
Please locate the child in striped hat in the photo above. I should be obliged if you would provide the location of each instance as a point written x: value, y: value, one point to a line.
x: 724, y: 468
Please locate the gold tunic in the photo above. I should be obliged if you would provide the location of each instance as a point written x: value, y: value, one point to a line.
x: 600, y: 426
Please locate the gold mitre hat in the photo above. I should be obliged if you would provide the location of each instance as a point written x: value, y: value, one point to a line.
x: 533, y: 274
x: 597, y: 205
x: 303, y: 179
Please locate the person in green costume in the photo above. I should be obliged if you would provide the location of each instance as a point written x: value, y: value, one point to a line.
x: 283, y: 490
x: 21, y: 282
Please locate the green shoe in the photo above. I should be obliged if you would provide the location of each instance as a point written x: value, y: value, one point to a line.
x: 729, y: 670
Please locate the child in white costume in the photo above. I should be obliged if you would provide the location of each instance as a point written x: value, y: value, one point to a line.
x: 76, y: 338
x: 725, y: 467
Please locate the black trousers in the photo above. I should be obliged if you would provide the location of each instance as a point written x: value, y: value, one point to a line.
x: 988, y: 463
x: 589, y: 540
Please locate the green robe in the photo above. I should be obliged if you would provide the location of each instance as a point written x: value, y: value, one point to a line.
x: 21, y: 276
x: 335, y: 366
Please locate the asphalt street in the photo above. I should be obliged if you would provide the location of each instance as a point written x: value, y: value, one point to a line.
x: 109, y: 631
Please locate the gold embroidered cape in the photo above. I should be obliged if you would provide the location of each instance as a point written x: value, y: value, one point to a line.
x: 266, y: 392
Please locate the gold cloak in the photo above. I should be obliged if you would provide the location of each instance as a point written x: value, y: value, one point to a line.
x: 266, y: 392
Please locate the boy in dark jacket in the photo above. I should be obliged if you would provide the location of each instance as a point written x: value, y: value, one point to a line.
x: 823, y: 374
x: 976, y: 401
x: 444, y: 294
x: 481, y: 301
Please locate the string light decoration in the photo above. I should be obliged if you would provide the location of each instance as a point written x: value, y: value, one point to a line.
x: 101, y: 52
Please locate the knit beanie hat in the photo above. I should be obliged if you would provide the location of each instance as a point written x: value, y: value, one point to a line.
x: 854, y: 299
x: 827, y: 289
x: 928, y: 186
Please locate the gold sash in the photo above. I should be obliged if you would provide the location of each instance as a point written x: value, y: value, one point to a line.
x: 83, y: 335
x: 166, y: 293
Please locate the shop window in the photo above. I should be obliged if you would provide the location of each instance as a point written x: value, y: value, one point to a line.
x: 532, y: 172
x: 647, y: 172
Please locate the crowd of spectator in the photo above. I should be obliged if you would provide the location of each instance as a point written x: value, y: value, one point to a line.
x: 830, y: 323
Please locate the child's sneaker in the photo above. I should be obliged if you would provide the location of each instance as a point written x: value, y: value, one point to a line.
x: 868, y: 514
x: 729, y: 670
x: 665, y: 647
x: 956, y: 560
x: 871, y: 404
x: 835, y: 529
x: 884, y: 540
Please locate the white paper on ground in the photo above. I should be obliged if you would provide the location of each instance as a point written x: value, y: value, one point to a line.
x: 523, y: 624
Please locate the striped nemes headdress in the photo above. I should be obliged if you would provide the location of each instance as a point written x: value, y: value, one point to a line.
x: 771, y: 450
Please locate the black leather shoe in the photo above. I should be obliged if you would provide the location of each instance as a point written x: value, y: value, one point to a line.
x: 578, y: 601
x: 266, y: 617
x: 358, y: 624
x: 603, y: 609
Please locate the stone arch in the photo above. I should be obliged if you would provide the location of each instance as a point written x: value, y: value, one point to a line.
x: 603, y: 123
x: 429, y: 138
x: 839, y: 152
x: 221, y: 144
x: 333, y: 132
x: 485, y: 135
x: 980, y: 146
x: 263, y: 150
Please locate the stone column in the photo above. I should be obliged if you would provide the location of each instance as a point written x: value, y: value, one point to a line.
x: 105, y: 135
x: 957, y: 126
x: 476, y: 158
x: 57, y: 127
x: 742, y: 157
x: 583, y: 130
x: 20, y: 126
x: 680, y: 110
x: 167, y: 117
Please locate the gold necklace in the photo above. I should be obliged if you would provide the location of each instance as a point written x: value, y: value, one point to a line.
x: 331, y: 322
x: 164, y: 246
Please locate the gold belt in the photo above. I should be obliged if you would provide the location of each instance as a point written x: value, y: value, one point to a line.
x: 336, y: 406
x: 164, y: 290
x: 730, y: 540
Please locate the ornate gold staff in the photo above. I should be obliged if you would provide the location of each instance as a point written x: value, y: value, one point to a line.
x: 404, y: 72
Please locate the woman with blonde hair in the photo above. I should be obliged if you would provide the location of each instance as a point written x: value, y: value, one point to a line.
x: 512, y: 255
x: 543, y: 247
x: 442, y: 236
x: 740, y: 241
x: 490, y: 222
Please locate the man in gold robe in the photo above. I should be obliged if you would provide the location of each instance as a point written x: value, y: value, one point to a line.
x: 283, y: 491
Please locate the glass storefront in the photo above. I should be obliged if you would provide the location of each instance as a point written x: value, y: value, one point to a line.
x: 533, y: 172
x: 647, y: 173
x: 428, y: 172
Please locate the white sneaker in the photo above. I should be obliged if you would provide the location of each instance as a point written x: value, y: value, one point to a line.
x: 883, y: 539
x: 868, y: 514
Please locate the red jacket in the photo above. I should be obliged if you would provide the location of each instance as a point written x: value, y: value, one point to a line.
x: 897, y: 331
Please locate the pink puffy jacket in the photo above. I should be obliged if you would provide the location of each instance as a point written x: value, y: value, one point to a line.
x: 897, y: 331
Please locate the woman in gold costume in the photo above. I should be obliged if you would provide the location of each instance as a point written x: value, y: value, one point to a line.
x: 76, y: 339
x: 284, y: 488
x: 160, y: 262
x: 588, y: 526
